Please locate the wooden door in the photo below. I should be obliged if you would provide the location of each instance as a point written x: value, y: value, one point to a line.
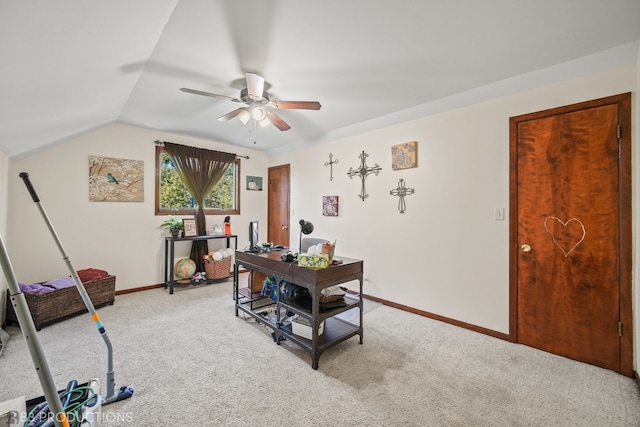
x: 571, y: 232
x: 278, y: 205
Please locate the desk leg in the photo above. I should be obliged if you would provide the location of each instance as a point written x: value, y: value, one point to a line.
x: 236, y: 286
x: 235, y: 269
x: 235, y: 248
x: 361, y: 310
x: 315, y: 339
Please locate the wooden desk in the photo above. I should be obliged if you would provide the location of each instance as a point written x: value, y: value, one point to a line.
x: 169, y: 243
x: 336, y: 329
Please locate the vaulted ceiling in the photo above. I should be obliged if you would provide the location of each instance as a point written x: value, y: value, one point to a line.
x: 71, y: 66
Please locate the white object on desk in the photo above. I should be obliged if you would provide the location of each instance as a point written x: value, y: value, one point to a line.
x: 315, y: 249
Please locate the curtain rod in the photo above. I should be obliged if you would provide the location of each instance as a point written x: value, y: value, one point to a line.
x: 158, y: 142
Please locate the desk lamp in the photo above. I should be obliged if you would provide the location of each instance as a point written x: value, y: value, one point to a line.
x: 305, y: 227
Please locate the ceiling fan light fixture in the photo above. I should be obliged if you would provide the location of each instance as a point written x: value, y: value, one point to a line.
x: 258, y: 113
x: 244, y: 116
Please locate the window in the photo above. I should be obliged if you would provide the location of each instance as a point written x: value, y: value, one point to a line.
x: 172, y: 197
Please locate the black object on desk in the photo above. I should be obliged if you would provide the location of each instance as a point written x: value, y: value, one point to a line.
x: 261, y: 249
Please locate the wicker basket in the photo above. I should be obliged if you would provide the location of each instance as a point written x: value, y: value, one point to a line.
x: 60, y: 304
x: 217, y: 269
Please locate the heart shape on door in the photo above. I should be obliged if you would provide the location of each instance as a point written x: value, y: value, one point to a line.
x: 565, y: 234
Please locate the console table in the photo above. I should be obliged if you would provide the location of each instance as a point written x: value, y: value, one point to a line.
x: 336, y: 329
x: 169, y: 262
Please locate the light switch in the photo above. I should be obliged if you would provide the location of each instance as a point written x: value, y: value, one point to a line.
x: 498, y: 215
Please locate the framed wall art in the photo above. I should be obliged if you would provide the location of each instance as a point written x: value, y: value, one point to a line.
x: 254, y: 183
x: 404, y: 156
x: 115, y: 180
x: 330, y: 205
x: 189, y: 228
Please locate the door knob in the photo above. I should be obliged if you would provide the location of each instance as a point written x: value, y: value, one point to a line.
x: 525, y: 248
x: 284, y: 227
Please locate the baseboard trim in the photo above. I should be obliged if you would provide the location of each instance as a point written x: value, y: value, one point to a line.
x: 444, y: 319
x: 637, y: 377
x: 142, y: 288
x: 156, y: 286
x: 402, y: 307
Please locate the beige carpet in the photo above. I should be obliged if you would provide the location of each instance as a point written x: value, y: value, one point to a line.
x: 192, y: 362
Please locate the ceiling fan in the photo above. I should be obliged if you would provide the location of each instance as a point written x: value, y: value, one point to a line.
x: 259, y: 106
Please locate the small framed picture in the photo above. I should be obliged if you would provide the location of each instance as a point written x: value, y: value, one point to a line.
x: 404, y: 156
x: 254, y: 183
x: 330, y: 205
x: 189, y: 228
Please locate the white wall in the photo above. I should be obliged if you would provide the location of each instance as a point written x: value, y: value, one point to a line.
x: 123, y: 238
x: 446, y: 255
x: 4, y: 176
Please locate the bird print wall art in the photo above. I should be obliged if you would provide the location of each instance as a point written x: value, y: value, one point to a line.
x: 115, y: 180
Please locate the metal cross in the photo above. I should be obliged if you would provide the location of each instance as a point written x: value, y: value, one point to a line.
x: 401, y: 192
x: 363, y: 171
x: 331, y: 162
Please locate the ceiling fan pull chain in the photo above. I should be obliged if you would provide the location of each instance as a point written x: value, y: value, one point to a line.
x: 255, y: 129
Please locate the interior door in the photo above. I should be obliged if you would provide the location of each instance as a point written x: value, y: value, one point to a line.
x: 278, y: 205
x: 571, y: 232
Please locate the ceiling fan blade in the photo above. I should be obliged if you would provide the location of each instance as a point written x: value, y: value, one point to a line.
x: 297, y: 105
x: 241, y: 113
x: 255, y: 86
x: 277, y: 121
x: 212, y: 95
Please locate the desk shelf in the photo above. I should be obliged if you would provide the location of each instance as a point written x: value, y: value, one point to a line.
x: 260, y: 310
x: 305, y: 310
x: 246, y: 293
x: 254, y: 304
x: 335, y: 331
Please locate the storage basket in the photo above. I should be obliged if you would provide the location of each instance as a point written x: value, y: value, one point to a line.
x: 217, y: 269
x: 62, y: 303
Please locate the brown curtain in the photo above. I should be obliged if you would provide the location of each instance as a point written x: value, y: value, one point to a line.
x: 200, y: 170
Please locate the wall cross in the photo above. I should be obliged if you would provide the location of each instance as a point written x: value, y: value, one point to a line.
x: 363, y: 171
x: 331, y: 162
x: 401, y: 192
